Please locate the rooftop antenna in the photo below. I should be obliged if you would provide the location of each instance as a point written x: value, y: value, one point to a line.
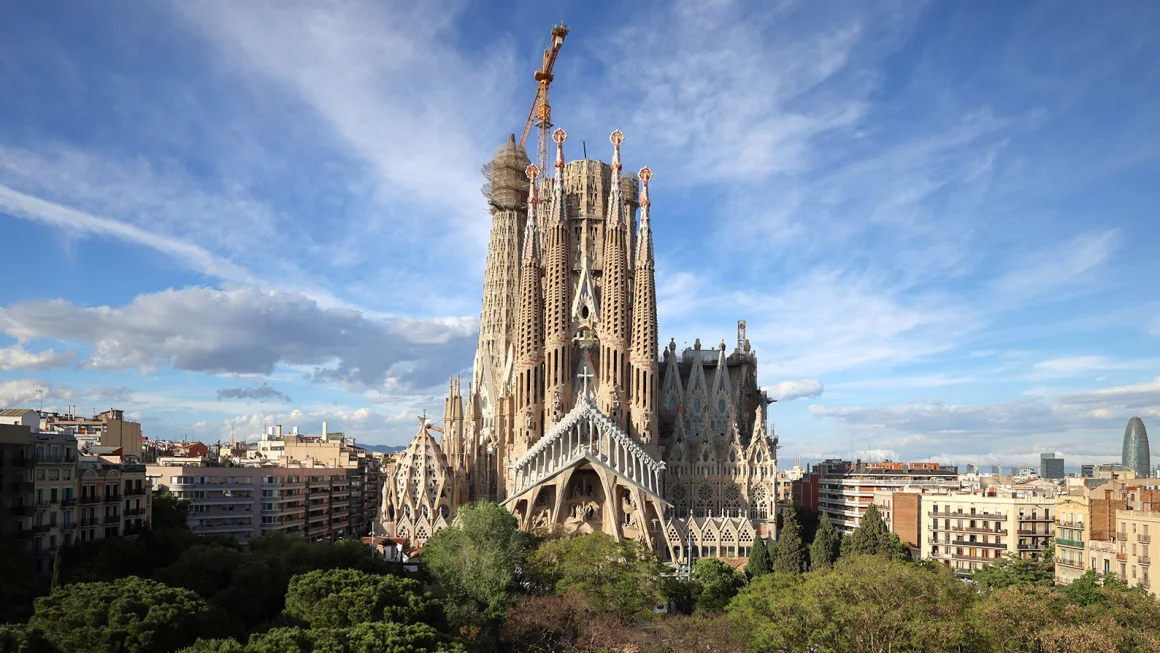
x: 40, y: 391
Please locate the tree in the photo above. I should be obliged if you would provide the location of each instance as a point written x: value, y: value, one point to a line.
x: 478, y: 560
x: 1012, y: 570
x: 718, y: 584
x: 871, y: 536
x: 339, y: 598
x: 760, y: 562
x: 128, y: 615
x: 168, y: 512
x: 618, y: 577
x: 899, y: 551
x: 789, y: 553
x: 824, y: 551
x: 867, y: 603
x: 215, y: 646
x: 362, y: 638
x: 18, y: 638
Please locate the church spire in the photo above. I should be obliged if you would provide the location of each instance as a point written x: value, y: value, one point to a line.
x: 528, y: 373
x: 644, y: 326
x: 557, y: 299
x: 614, y: 308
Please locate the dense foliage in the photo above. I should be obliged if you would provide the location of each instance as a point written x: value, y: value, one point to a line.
x: 497, y: 589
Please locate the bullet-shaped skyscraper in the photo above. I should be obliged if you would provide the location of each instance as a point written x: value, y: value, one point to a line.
x: 1136, y: 454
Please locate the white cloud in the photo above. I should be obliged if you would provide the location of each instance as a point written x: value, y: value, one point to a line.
x: 35, y: 209
x: 28, y: 393
x: 1059, y: 267
x: 790, y: 390
x: 250, y: 330
x: 17, y: 357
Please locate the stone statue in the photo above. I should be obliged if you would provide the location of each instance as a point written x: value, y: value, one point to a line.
x: 529, y: 421
x: 557, y: 406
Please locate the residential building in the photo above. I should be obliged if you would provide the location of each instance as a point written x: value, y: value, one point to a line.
x: 968, y: 530
x: 114, y: 499
x: 248, y: 502
x: 902, y: 512
x: 1050, y: 466
x: 54, y: 520
x: 17, y: 471
x: 107, y: 429
x: 1133, y: 547
x: 847, y: 489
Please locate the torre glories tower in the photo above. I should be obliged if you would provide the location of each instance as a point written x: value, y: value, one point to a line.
x: 1136, y: 454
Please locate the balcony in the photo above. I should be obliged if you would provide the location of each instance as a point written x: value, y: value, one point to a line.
x: 1075, y: 544
x: 1144, y: 539
x: 112, y: 519
x: 985, y: 545
x: 1145, y: 583
x: 68, y: 502
x: 90, y: 500
x: 134, y: 491
x: 1122, y: 536
x: 1036, y: 518
x: 1121, y: 557
x: 89, y: 521
x: 134, y: 512
x: 1068, y: 563
x: 1145, y: 560
x: 1069, y: 524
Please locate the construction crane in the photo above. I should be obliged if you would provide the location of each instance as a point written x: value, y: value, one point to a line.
x: 541, y: 113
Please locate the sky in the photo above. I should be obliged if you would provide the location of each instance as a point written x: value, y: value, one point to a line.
x: 940, y: 221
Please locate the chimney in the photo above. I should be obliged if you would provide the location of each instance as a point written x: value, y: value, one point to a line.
x: 324, y: 438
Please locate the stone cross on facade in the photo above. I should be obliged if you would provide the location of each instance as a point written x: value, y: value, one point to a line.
x: 585, y: 374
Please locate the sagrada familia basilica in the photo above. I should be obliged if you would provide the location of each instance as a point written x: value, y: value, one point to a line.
x: 577, y: 418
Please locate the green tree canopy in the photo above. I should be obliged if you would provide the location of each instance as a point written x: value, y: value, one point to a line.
x: 827, y: 541
x: 478, y: 560
x: 168, y: 512
x: 789, y: 553
x: 871, y: 536
x: 376, y: 637
x: 129, y: 615
x: 1013, y: 570
x: 338, y: 598
x: 760, y: 562
x: 717, y: 584
x: 865, y: 604
x: 622, y: 577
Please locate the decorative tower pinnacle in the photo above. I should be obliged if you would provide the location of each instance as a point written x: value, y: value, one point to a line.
x: 645, y: 369
x: 614, y: 299
x: 557, y: 299
x: 529, y: 398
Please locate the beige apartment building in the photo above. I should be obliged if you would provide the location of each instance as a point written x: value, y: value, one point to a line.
x: 248, y: 502
x: 107, y: 429
x: 969, y: 530
x: 1107, y: 526
x: 1132, y: 561
x: 114, y: 498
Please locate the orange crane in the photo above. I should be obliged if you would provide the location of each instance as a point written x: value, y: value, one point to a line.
x: 541, y: 113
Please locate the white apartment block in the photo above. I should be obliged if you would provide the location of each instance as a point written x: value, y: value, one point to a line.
x: 847, y: 489
x: 248, y: 502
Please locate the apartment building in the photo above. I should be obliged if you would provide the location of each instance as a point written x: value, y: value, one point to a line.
x: 114, y: 498
x: 1133, y: 544
x: 846, y: 490
x: 248, y: 502
x: 969, y: 530
x: 1107, y: 526
x: 17, y: 471
x: 107, y: 429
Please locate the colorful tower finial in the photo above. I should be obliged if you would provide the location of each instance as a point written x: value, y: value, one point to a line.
x: 559, y: 136
x: 616, y: 138
x: 645, y: 175
x: 532, y: 172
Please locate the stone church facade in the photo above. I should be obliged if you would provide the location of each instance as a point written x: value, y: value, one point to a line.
x: 577, y: 418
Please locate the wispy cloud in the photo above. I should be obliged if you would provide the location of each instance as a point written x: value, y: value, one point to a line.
x: 1057, y: 269
x: 261, y: 393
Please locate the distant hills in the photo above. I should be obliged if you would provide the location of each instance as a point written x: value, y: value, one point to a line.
x: 383, y: 448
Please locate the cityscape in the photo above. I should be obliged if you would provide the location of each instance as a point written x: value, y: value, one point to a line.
x: 769, y: 329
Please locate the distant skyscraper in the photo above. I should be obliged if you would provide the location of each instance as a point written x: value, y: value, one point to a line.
x: 1136, y: 453
x: 1050, y: 466
x: 995, y: 470
x: 1087, y: 471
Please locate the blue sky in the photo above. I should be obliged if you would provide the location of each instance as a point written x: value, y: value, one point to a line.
x: 940, y: 221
